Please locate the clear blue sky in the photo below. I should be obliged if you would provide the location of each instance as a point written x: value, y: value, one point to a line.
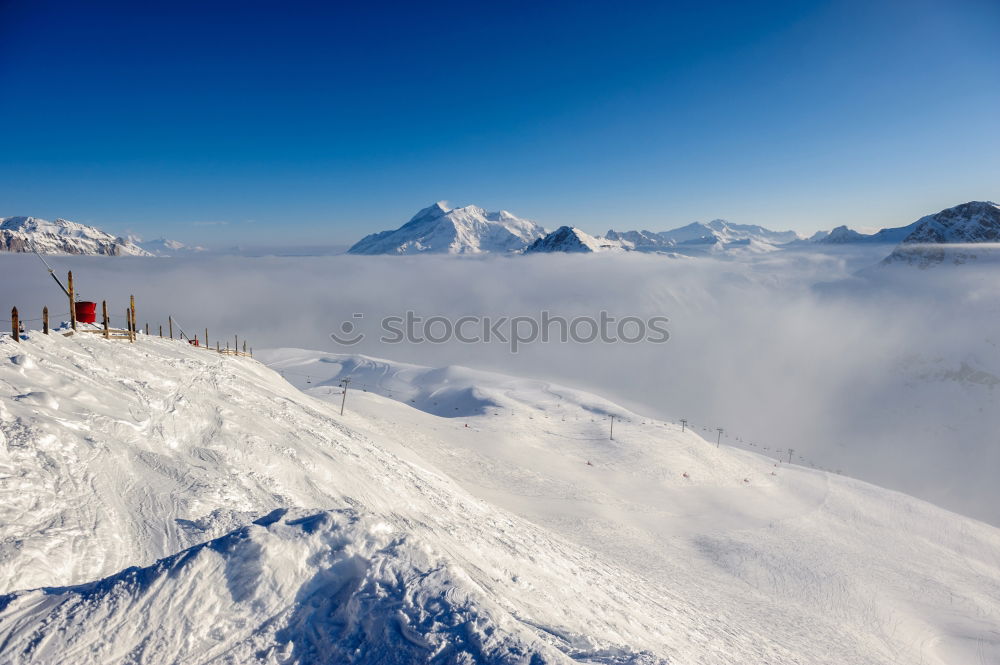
x: 219, y: 122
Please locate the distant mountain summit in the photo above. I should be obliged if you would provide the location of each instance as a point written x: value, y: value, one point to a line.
x: 439, y: 229
x: 717, y: 236
x: 165, y: 247
x: 571, y: 240
x: 842, y: 235
x: 21, y: 234
x: 950, y: 236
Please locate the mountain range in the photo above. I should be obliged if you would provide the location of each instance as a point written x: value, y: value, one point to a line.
x: 26, y: 234
x: 439, y: 229
x: 471, y: 230
x: 22, y: 234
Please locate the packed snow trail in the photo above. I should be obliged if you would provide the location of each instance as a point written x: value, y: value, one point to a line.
x: 445, y: 543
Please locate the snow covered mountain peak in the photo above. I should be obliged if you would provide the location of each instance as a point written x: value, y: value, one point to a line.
x: 438, y: 229
x: 951, y: 235
x: 572, y: 240
x: 62, y: 236
x: 432, y: 211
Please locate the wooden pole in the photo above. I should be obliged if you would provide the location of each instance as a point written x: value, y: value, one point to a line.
x: 72, y: 300
x: 236, y: 343
x: 206, y: 338
x: 217, y: 347
x: 170, y: 322
x: 131, y: 317
x: 161, y: 330
x: 45, y: 320
x: 104, y: 319
x: 15, y: 325
x: 128, y: 316
x: 147, y: 328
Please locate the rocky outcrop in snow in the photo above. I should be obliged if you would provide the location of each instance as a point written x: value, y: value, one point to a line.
x: 956, y: 235
x: 572, y: 240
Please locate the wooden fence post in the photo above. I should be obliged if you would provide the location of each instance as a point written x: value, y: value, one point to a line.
x: 72, y: 300
x: 104, y: 319
x: 15, y: 325
x: 206, y: 338
x: 45, y: 320
x: 147, y: 328
x: 170, y: 322
x: 128, y: 324
x: 161, y: 330
x: 131, y: 318
x: 236, y: 343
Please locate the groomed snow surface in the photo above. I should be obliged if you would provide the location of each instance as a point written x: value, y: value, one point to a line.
x: 165, y: 504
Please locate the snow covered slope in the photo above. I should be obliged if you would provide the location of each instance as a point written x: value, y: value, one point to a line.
x: 438, y: 229
x: 169, y: 505
x: 570, y: 239
x: 810, y: 551
x: 19, y: 234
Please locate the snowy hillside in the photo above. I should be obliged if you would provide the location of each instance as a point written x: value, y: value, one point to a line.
x: 170, y: 505
x: 439, y: 229
x: 20, y: 234
x: 572, y: 240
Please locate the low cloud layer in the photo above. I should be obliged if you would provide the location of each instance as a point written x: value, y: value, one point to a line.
x: 892, y: 379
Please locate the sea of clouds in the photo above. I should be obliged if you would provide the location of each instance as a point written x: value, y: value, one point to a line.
x: 892, y: 377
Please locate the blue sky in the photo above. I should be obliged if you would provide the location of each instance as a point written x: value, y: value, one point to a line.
x: 320, y: 122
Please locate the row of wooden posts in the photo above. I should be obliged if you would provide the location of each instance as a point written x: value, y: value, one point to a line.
x: 129, y: 332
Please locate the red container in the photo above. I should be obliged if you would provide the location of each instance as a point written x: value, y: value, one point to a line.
x: 86, y: 312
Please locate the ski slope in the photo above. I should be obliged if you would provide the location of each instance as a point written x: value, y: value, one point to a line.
x: 164, y: 504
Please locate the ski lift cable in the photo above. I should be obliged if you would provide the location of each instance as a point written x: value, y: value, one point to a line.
x: 49, y: 268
